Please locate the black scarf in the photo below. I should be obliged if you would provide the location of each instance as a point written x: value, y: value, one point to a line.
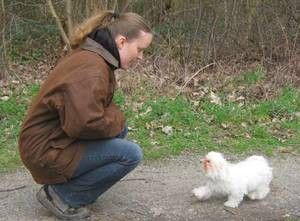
x: 104, y: 37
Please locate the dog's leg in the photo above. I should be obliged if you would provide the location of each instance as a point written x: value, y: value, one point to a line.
x: 260, y: 193
x: 234, y: 200
x: 202, y: 192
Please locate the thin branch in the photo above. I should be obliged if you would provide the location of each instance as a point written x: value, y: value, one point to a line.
x: 69, y: 16
x: 115, y: 5
x: 125, y: 6
x: 195, y: 33
x: 134, y: 179
x: 12, y: 189
x: 3, y: 57
x: 175, y: 13
x: 142, y: 179
x: 194, y: 75
x: 58, y: 22
x: 233, y: 211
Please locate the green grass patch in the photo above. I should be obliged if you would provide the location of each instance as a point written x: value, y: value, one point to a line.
x: 251, y: 77
x: 262, y: 126
x: 11, y: 115
x: 227, y: 127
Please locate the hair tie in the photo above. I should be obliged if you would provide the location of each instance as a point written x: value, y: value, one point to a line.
x: 115, y: 15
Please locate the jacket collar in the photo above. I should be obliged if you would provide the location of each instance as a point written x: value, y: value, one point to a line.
x: 91, y: 45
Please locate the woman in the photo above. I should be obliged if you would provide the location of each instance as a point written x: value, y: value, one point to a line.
x: 72, y: 138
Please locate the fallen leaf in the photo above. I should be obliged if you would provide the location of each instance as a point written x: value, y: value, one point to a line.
x: 215, y: 99
x: 225, y: 126
x: 196, y: 103
x: 151, y: 133
x: 247, y: 135
x: 149, y: 109
x: 167, y: 130
x: 131, y: 129
x: 284, y: 150
x: 297, y: 114
x: 154, y: 142
x: 5, y: 98
x: 244, y: 124
x: 240, y: 98
x: 231, y: 97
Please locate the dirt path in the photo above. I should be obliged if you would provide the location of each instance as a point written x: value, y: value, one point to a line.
x: 162, y: 191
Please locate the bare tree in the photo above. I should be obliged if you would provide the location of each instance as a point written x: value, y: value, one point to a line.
x: 195, y: 31
x: 59, y: 24
x: 125, y: 5
x: 69, y: 16
x: 3, y: 58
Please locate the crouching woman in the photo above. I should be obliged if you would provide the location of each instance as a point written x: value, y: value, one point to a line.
x: 72, y: 139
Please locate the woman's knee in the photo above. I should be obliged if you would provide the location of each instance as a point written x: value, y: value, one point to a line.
x: 134, y: 152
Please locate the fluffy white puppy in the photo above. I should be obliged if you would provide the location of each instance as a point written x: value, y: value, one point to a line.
x: 250, y: 177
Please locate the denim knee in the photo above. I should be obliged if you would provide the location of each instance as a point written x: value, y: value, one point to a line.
x: 134, y: 152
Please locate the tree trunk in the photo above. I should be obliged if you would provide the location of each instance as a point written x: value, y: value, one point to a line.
x: 59, y: 24
x: 3, y: 58
x: 124, y: 6
x: 69, y: 16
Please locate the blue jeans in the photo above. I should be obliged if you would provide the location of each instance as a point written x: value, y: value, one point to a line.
x: 103, y: 164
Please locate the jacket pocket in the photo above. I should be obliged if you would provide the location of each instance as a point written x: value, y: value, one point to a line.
x: 62, y: 143
x: 59, y: 139
x: 53, y: 162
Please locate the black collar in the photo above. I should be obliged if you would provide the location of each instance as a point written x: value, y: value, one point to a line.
x: 91, y: 45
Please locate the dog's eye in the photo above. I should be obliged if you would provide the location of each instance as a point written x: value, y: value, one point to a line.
x: 207, y: 161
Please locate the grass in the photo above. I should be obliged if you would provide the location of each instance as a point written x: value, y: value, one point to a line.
x: 259, y: 126
x: 11, y: 115
x: 251, y: 77
x: 262, y: 126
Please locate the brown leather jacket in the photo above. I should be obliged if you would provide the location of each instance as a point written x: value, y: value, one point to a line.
x: 73, y: 104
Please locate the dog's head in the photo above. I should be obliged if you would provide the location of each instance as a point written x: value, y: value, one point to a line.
x: 214, y: 165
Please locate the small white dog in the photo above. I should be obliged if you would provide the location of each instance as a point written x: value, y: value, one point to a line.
x: 250, y: 177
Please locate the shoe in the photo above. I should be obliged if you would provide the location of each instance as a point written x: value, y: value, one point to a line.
x: 50, y: 200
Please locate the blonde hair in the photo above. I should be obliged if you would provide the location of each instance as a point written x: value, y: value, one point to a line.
x: 127, y: 24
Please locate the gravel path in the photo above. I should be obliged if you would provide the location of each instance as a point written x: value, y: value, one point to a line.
x: 161, y: 190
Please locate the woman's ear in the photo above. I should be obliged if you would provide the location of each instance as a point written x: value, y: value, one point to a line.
x: 120, y: 41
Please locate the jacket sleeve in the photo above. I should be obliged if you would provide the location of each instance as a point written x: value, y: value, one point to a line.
x: 86, y: 114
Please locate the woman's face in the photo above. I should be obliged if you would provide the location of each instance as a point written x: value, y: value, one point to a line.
x: 131, y: 50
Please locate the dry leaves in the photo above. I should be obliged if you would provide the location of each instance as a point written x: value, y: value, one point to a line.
x: 215, y: 99
x: 168, y: 130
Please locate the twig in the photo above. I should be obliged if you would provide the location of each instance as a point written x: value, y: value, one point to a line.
x: 59, y: 24
x: 133, y: 179
x: 197, y: 72
x: 146, y: 171
x: 185, y: 10
x: 143, y: 179
x: 232, y: 211
x: 12, y: 189
x: 68, y: 4
x: 138, y: 212
x: 125, y: 6
x: 4, y: 67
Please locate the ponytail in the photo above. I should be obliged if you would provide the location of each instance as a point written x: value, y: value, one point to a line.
x: 126, y: 24
x: 84, y: 29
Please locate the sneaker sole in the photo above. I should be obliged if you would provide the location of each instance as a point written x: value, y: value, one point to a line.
x: 42, y: 198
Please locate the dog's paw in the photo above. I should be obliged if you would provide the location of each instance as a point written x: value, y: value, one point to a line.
x: 259, y: 194
x: 252, y: 195
x: 200, y: 193
x: 231, y: 204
